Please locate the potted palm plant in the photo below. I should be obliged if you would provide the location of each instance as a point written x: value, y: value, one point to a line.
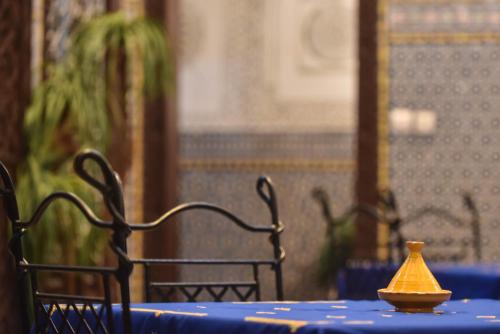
x: 76, y: 106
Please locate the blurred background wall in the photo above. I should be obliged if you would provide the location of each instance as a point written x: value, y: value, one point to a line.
x: 266, y: 87
x: 442, y: 91
x: 252, y: 100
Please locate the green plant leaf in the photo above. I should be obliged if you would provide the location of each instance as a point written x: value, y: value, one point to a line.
x: 74, y: 107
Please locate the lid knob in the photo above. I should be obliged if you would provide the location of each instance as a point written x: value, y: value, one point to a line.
x: 415, y: 246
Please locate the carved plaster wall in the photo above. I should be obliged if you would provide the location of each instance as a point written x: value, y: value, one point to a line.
x: 256, y: 65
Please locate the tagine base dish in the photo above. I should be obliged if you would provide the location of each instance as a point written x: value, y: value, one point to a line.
x: 414, y: 302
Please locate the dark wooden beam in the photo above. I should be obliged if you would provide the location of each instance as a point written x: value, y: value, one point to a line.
x: 367, y: 145
x: 120, y: 144
x: 112, y: 5
x: 161, y: 154
x: 15, y: 74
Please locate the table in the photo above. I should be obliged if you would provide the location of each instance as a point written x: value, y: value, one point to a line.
x: 465, y: 281
x: 339, y: 317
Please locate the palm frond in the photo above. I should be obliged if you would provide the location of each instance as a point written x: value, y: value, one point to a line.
x: 74, y: 108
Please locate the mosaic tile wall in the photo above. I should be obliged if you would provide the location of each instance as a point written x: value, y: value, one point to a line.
x: 454, y: 79
x: 204, y: 235
x: 266, y: 66
x: 453, y: 16
x: 264, y: 90
x: 459, y: 82
x: 61, y: 17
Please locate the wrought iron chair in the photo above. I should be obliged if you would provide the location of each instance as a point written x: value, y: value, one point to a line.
x: 321, y: 197
x: 387, y: 213
x: 361, y: 279
x: 59, y: 312
x: 217, y: 291
x: 390, y: 216
x: 337, y: 249
x: 473, y: 224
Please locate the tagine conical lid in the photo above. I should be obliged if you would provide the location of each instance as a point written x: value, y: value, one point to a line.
x: 414, y: 288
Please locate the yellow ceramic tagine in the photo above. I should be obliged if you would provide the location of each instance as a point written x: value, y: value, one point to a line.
x: 414, y: 288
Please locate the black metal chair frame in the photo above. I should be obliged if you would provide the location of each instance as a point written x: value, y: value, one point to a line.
x: 45, y: 305
x: 473, y: 224
x: 217, y: 290
x: 321, y: 196
x: 111, y: 190
x: 387, y: 213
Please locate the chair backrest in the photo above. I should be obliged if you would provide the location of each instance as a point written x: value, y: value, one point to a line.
x: 392, y: 219
x: 388, y: 213
x: 217, y: 291
x: 471, y: 226
x: 340, y: 235
x: 61, y: 312
x: 397, y: 238
x: 323, y: 199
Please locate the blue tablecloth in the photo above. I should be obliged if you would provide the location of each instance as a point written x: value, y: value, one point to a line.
x: 349, y: 317
x: 474, y: 281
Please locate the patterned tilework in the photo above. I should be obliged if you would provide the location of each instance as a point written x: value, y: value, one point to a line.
x: 460, y: 84
x: 285, y: 73
x: 444, y: 16
x: 235, y: 190
x: 62, y: 17
x: 244, y: 110
x: 267, y: 146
